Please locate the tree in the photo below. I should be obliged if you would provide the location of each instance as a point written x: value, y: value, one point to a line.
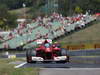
x: 63, y: 7
x: 6, y: 19
x: 93, y: 5
x: 78, y: 9
x: 15, y: 4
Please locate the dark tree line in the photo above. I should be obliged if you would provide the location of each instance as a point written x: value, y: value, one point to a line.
x: 7, y: 20
x: 15, y: 4
x: 70, y: 6
x: 65, y: 7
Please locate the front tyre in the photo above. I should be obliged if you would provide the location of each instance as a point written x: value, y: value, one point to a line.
x: 29, y: 54
x: 64, y: 53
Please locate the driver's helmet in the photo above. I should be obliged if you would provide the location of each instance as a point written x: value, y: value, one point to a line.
x: 47, y: 45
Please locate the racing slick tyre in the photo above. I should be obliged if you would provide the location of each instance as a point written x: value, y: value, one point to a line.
x: 64, y: 53
x: 29, y: 54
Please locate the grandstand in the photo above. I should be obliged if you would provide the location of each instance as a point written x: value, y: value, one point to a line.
x: 50, y: 27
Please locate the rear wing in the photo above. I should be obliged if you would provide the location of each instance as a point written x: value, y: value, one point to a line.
x: 41, y: 41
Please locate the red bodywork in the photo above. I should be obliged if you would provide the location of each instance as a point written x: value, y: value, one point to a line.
x: 51, y: 50
x: 47, y: 52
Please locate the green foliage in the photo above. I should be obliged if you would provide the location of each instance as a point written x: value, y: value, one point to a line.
x: 35, y: 9
x: 6, y: 68
x: 7, y: 20
x: 93, y: 5
x: 63, y: 7
x: 3, y: 10
x: 15, y: 4
x: 78, y: 9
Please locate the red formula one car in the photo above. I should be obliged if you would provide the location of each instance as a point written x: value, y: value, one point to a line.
x: 47, y: 52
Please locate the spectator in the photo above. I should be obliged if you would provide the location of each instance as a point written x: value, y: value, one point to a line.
x: 6, y: 46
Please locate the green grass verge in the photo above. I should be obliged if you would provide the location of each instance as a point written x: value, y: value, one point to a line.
x: 8, y: 69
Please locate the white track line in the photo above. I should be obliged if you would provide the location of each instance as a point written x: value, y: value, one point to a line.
x: 18, y: 66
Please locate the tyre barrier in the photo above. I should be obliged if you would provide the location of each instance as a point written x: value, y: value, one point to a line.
x: 11, y: 56
x: 97, y: 46
x: 84, y: 53
x: 8, y: 56
x: 89, y: 46
x: 76, y: 47
x: 82, y: 47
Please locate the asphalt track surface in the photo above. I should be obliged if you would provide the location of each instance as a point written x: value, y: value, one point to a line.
x: 72, y: 71
x: 64, y: 69
x: 75, y: 62
x: 79, y: 64
x: 61, y: 65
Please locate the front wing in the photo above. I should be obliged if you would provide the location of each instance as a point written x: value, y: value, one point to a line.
x: 59, y: 58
